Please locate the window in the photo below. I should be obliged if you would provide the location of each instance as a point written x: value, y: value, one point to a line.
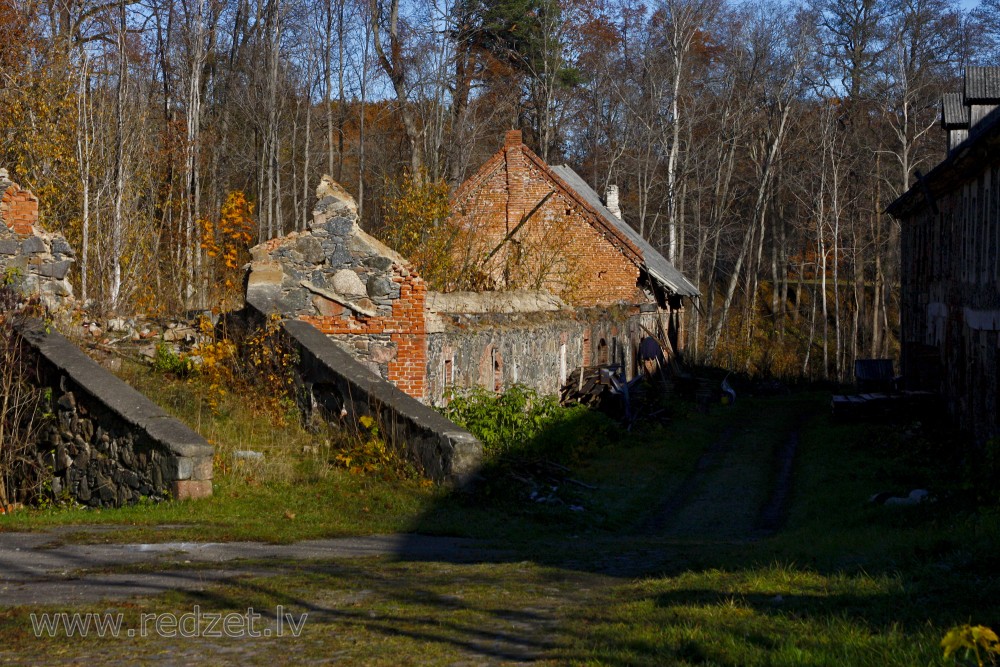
x: 562, y: 364
x: 497, y: 372
x: 602, y: 353
x: 449, y: 372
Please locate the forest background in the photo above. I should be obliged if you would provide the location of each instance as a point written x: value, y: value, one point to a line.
x: 756, y: 144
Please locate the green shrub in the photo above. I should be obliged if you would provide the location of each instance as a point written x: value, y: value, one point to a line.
x: 519, y: 424
x: 168, y: 361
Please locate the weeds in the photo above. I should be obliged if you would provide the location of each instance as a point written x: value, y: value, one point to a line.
x: 22, y: 403
x: 367, y: 452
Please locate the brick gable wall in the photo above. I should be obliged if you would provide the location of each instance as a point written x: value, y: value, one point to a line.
x: 561, y: 248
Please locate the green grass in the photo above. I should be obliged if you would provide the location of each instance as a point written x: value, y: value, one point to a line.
x: 622, y: 582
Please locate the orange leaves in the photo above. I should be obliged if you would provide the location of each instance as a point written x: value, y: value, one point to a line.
x: 227, y: 242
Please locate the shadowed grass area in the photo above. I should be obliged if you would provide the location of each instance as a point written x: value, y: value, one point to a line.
x: 662, y: 563
x: 297, y: 490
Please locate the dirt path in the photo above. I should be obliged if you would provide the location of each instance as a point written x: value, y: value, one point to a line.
x: 37, y: 569
x: 738, y: 490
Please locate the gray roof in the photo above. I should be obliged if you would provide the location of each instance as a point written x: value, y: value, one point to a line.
x: 658, y: 266
x: 982, y: 84
x: 954, y: 113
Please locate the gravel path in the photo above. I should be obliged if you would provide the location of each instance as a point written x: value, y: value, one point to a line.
x: 37, y: 569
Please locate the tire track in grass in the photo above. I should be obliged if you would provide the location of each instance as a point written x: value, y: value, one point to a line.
x: 740, y: 487
x: 664, y: 515
x: 774, y: 512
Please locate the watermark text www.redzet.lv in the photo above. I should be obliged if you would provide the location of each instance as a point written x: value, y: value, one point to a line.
x: 195, y: 623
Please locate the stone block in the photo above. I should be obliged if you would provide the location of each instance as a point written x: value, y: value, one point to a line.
x: 339, y: 226
x: 327, y: 308
x: 59, y: 288
x: 378, y: 262
x: 379, y: 286
x: 311, y: 249
x: 33, y: 246
x: 190, y: 489
x: 265, y: 274
x: 293, y: 301
x: 57, y: 270
x: 381, y: 354
x: 9, y: 247
x: 348, y: 283
x: 339, y: 256
x: 62, y: 247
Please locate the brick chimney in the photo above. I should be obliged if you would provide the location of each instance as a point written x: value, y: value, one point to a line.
x: 517, y: 176
x: 18, y: 208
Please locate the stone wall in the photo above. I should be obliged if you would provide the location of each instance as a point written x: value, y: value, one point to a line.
x: 40, y: 260
x: 537, y: 348
x: 349, y: 286
x: 109, y: 445
x: 344, y: 390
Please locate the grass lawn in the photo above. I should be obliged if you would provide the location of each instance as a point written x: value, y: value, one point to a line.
x: 663, y: 562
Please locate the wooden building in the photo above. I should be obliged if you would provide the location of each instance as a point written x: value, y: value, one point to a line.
x: 950, y: 277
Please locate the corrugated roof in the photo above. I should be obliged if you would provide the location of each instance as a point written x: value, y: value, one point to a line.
x: 954, y: 113
x: 658, y: 266
x: 982, y: 84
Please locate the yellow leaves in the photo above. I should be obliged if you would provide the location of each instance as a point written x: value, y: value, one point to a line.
x: 978, y: 640
x: 418, y: 226
x: 228, y: 240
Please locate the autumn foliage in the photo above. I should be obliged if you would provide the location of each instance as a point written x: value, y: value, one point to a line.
x: 227, y: 242
x: 417, y: 225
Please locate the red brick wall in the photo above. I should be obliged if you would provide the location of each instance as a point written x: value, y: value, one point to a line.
x: 18, y: 209
x: 558, y: 249
x: 405, y: 327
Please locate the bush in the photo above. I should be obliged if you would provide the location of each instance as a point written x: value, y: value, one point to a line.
x: 520, y: 424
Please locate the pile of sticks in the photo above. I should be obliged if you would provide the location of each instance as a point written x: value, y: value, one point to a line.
x: 590, y: 384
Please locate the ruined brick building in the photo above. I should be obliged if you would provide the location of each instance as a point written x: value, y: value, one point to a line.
x: 573, y: 285
x: 39, y: 260
x: 950, y: 278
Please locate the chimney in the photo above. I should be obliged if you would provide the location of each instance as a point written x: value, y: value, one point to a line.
x: 954, y: 119
x: 982, y: 94
x: 611, y: 199
x: 512, y: 139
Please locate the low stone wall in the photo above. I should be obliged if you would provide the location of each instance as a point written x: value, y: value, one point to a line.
x: 345, y: 390
x: 539, y: 349
x: 110, y: 445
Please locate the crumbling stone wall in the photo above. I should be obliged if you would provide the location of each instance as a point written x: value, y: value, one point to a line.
x: 525, y: 341
x: 40, y: 260
x: 351, y: 287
